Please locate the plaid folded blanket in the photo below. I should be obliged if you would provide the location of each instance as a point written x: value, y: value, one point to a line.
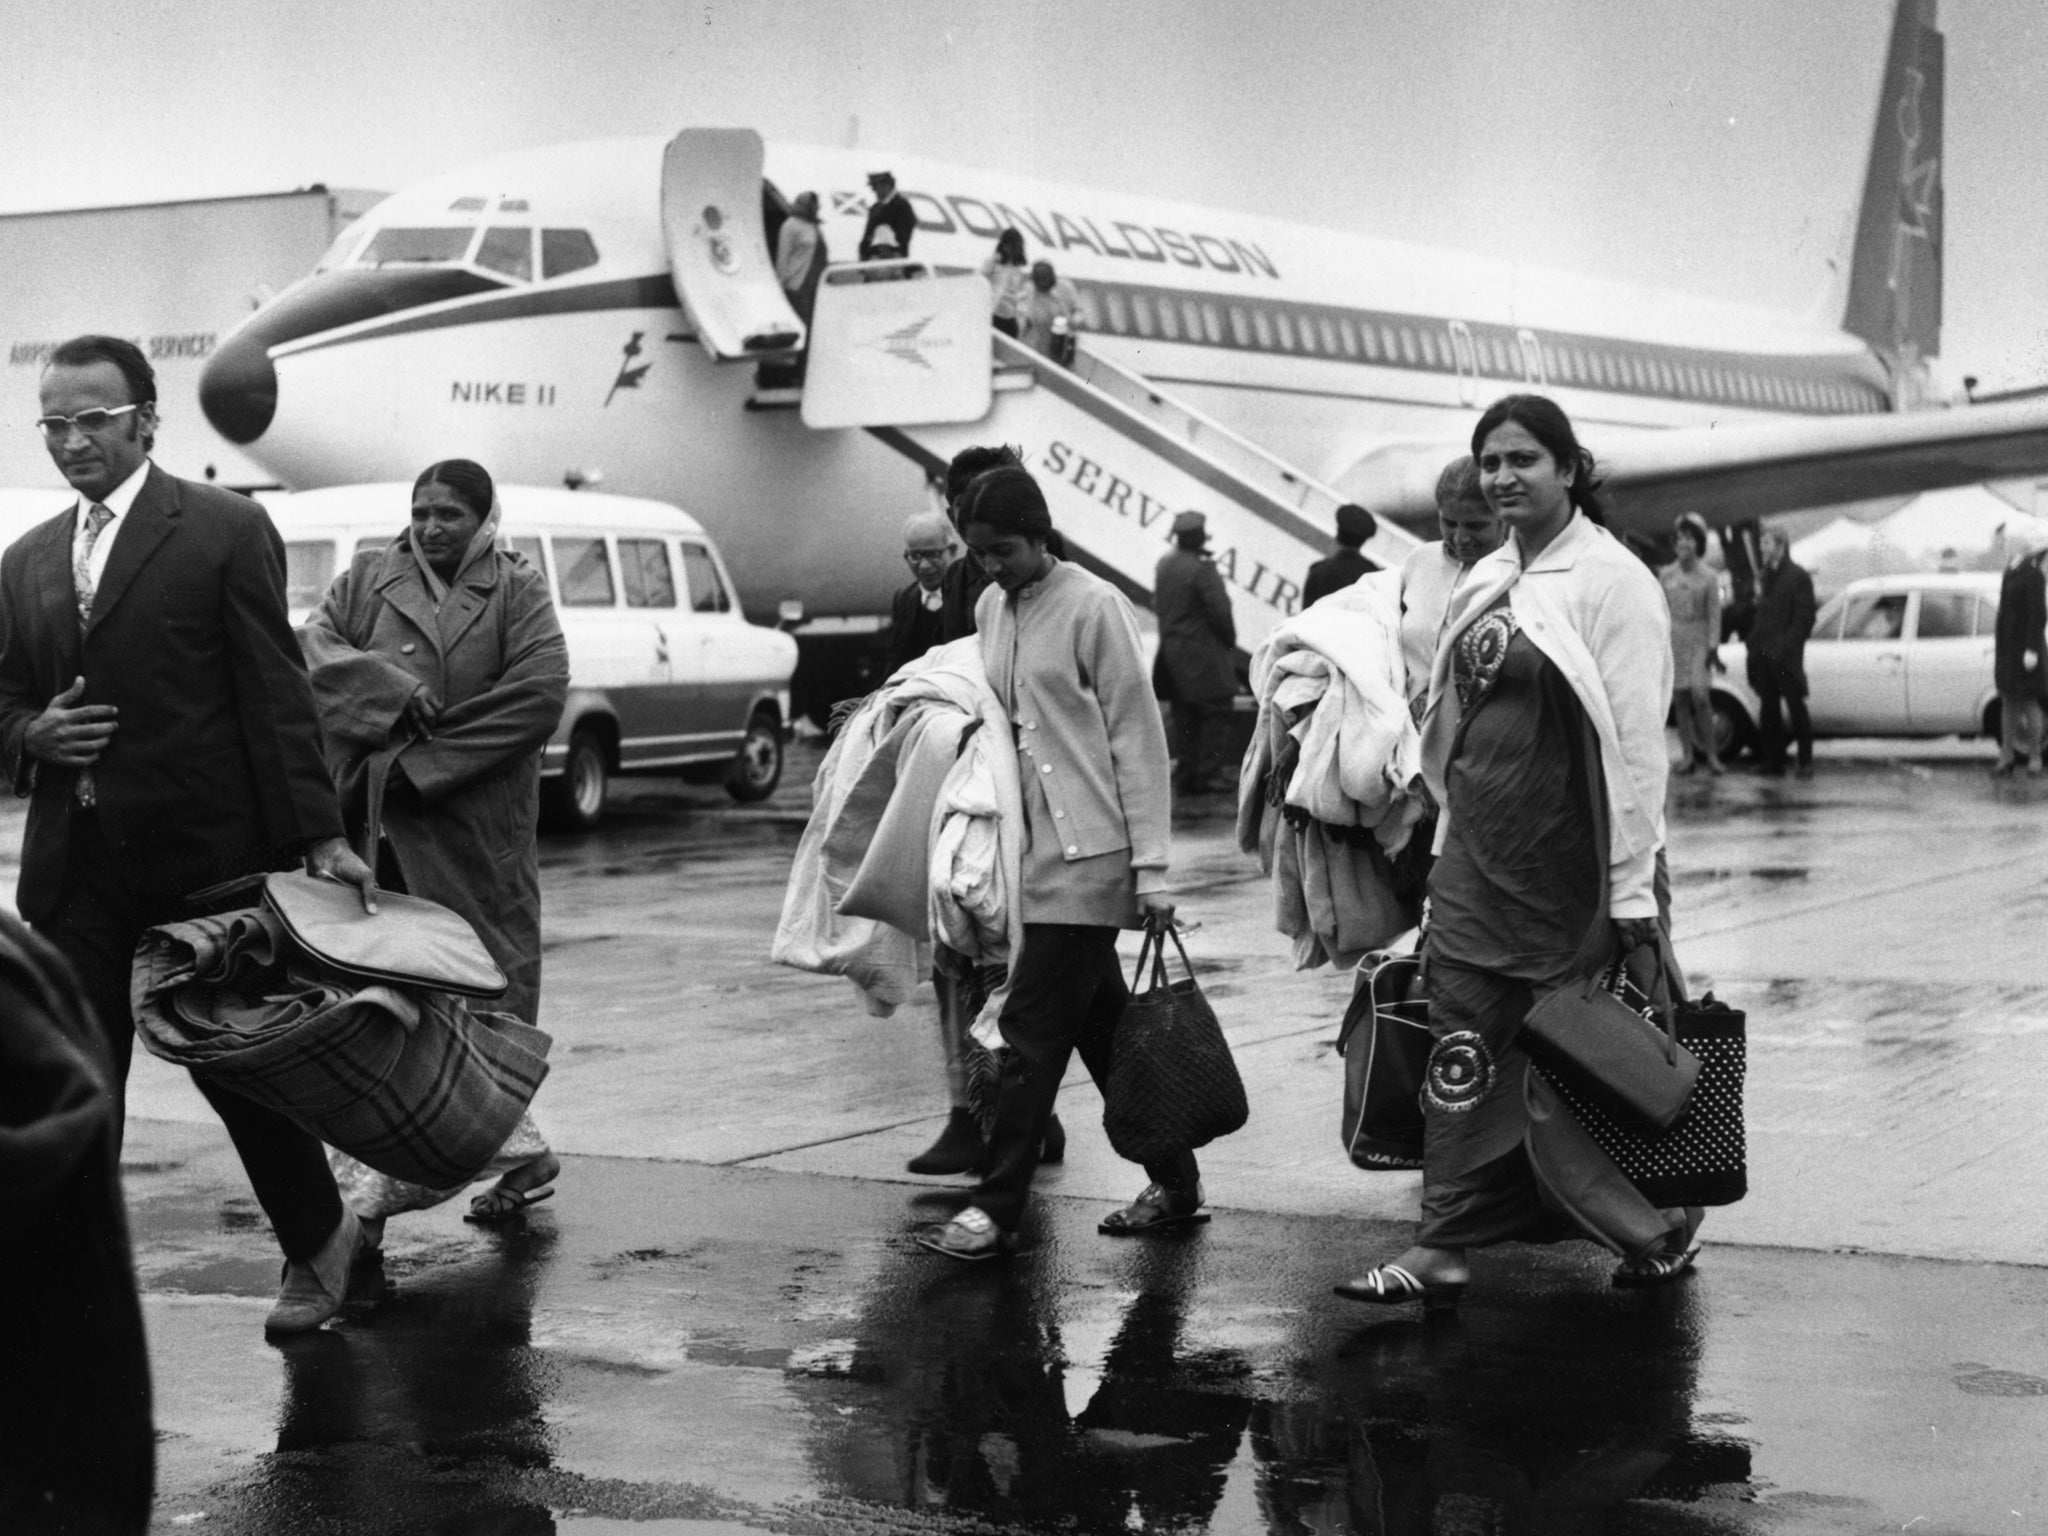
x: 416, y: 1084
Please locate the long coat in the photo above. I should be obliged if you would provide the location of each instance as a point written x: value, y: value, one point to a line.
x: 1197, y: 636
x: 2022, y: 616
x: 215, y: 768
x: 1778, y: 634
x: 493, y: 652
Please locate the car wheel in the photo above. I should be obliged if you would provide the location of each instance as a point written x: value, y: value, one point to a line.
x: 1733, y: 732
x: 757, y: 766
x: 575, y: 801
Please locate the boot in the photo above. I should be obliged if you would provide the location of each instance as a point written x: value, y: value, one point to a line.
x: 957, y: 1150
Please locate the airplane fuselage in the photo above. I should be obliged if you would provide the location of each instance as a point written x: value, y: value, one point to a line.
x: 521, y: 312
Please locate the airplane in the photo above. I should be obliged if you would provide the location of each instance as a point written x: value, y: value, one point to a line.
x: 586, y: 313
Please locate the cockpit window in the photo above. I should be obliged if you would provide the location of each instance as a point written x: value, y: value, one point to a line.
x: 508, y: 250
x: 338, y: 254
x: 566, y: 250
x: 393, y: 247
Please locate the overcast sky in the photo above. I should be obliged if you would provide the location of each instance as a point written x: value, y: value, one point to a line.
x: 1714, y: 146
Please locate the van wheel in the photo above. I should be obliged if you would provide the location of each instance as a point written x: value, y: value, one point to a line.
x: 1733, y: 733
x: 757, y: 766
x: 575, y: 801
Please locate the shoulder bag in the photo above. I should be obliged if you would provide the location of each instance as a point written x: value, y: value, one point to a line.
x: 1172, y: 1083
x: 1635, y: 1070
x: 1385, y: 1044
x: 1704, y: 1159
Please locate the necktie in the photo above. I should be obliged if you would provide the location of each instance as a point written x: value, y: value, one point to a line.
x: 96, y: 519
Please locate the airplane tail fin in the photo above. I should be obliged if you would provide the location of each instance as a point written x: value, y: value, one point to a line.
x: 1895, y: 273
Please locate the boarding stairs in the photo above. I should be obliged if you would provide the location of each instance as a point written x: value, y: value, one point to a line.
x: 909, y: 356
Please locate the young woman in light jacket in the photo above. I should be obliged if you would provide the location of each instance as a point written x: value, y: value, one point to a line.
x: 1544, y: 744
x: 1061, y: 650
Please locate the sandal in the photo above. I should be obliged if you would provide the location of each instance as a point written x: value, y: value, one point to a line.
x: 1154, y: 1209
x: 503, y: 1201
x: 1389, y: 1285
x: 498, y: 1203
x: 970, y: 1236
x: 1657, y: 1269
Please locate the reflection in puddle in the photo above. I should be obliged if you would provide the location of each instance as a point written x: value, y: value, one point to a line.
x: 994, y: 1396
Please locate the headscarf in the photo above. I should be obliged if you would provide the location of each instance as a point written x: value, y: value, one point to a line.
x: 480, y: 544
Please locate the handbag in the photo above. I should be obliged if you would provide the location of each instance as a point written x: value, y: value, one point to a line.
x: 1385, y: 1044
x: 1638, y: 1072
x: 409, y: 942
x: 1704, y: 1159
x: 1172, y: 1083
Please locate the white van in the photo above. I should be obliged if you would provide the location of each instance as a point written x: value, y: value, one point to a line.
x: 665, y: 673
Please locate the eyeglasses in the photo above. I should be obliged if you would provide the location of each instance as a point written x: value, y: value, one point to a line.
x: 91, y: 421
x: 926, y: 556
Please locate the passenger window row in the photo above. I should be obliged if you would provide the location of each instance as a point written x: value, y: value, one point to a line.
x: 1495, y: 351
x: 582, y: 576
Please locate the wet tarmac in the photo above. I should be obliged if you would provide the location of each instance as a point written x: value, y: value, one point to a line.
x: 720, y: 1323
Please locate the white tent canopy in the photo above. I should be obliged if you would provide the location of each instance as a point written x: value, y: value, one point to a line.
x: 1968, y: 528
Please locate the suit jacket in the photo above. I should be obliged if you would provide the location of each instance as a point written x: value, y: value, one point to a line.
x: 215, y: 767
x: 1335, y: 574
x: 1197, y: 635
x: 1778, y: 633
x: 895, y: 215
x: 914, y: 628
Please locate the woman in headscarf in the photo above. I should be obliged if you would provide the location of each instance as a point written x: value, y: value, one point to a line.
x: 1544, y: 744
x: 1433, y: 574
x: 440, y: 672
x: 1062, y: 652
x: 1692, y: 590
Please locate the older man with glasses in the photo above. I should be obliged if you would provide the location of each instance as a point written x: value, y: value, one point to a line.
x: 916, y: 615
x: 154, y: 709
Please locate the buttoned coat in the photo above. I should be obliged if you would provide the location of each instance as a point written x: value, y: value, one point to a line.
x: 1197, y: 634
x: 462, y: 821
x: 214, y: 769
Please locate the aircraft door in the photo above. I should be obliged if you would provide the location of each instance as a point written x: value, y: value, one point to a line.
x: 718, y: 247
x: 1466, y: 357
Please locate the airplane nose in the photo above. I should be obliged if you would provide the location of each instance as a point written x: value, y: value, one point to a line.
x: 238, y: 389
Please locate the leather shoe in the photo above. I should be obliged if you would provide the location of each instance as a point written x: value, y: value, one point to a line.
x: 313, y: 1290
x: 957, y: 1150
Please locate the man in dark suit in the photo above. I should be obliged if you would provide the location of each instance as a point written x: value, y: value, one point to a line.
x: 1777, y: 655
x: 917, y: 620
x: 892, y: 214
x: 1196, y: 671
x: 1355, y: 526
x: 154, y: 709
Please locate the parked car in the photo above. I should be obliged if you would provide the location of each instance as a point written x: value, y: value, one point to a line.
x: 1907, y: 655
x: 665, y: 673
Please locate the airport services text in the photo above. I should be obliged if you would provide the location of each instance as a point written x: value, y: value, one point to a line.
x: 1099, y: 484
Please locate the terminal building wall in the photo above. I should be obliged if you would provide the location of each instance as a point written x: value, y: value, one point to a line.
x: 173, y: 278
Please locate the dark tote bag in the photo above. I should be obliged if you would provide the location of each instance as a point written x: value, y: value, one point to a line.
x: 1385, y: 1043
x: 1172, y: 1083
x: 1704, y: 1158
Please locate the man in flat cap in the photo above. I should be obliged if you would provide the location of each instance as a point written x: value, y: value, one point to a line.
x: 1197, y: 667
x: 890, y: 213
x: 1355, y: 526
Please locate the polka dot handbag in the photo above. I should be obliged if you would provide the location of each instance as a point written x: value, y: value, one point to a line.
x: 1704, y: 1158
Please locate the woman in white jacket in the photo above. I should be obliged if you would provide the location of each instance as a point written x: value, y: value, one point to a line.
x: 1544, y: 744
